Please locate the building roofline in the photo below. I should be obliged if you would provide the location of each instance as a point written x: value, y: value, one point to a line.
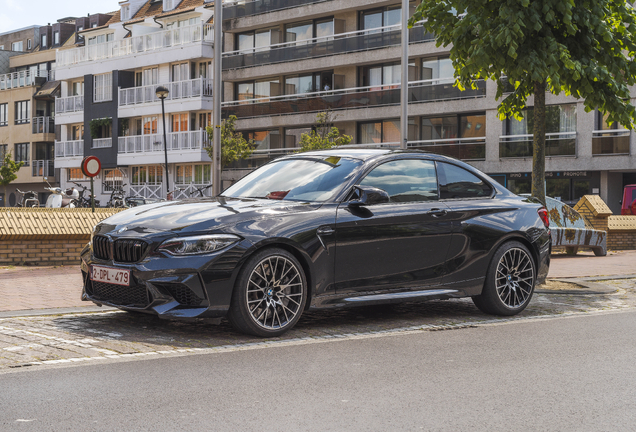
x: 21, y: 29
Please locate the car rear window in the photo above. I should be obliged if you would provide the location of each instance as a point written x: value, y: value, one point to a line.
x: 456, y: 182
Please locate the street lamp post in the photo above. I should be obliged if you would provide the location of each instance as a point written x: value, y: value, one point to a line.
x: 404, y: 90
x: 217, y: 97
x: 162, y: 93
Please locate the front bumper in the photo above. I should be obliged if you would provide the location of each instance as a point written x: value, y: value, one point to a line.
x: 170, y: 287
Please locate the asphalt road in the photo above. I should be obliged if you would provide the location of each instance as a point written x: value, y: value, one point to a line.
x: 563, y: 374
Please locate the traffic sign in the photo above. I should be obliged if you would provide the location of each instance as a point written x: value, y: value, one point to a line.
x: 91, y: 166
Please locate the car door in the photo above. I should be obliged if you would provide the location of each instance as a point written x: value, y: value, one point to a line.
x: 399, y: 245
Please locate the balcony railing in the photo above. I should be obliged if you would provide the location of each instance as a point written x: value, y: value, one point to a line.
x: 470, y: 148
x: 69, y: 104
x: 102, y: 143
x: 556, y: 144
x: 195, y: 88
x: 242, y: 8
x: 25, y: 78
x: 191, y: 140
x: 359, y: 97
x: 43, y: 168
x: 136, y: 45
x: 43, y: 125
x: 610, y: 142
x: 363, y: 40
x: 69, y: 148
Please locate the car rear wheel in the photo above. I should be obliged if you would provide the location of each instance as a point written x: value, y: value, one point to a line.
x: 509, y: 281
x: 269, y: 295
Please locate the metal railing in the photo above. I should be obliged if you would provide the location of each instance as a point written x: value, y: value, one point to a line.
x: 194, y: 88
x: 470, y: 148
x: 102, y: 143
x: 138, y: 44
x: 242, y: 8
x: 69, y: 104
x: 556, y: 144
x: 190, y: 190
x: 358, y: 97
x: 43, y: 168
x: 43, y: 125
x: 25, y: 78
x: 610, y: 142
x: 190, y: 140
x: 362, y: 40
x: 69, y: 148
x: 147, y: 191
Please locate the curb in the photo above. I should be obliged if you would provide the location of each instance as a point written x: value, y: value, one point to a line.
x: 589, y: 284
x: 55, y: 311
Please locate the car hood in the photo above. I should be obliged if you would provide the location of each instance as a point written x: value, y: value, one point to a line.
x: 196, y: 216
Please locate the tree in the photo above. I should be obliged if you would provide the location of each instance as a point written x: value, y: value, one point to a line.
x: 8, y: 168
x: 582, y: 48
x: 233, y: 145
x: 324, y: 135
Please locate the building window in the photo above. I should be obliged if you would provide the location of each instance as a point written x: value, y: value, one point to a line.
x: 384, y: 17
x: 28, y: 43
x: 75, y: 174
x: 101, y: 38
x: 150, y: 125
x: 3, y: 151
x: 43, y: 41
x: 103, y: 87
x: 77, y: 132
x: 147, y: 175
x: 168, y: 5
x: 125, y: 12
x: 382, y: 131
x: 94, y: 25
x: 437, y: 68
x: 56, y: 38
x: 4, y: 121
x: 2, y: 47
x: 22, y: 112
x: 112, y: 178
x: 17, y: 46
x: 199, y: 174
x: 293, y: 135
x: 21, y: 153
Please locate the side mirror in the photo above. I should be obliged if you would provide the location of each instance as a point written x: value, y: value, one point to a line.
x: 367, y: 195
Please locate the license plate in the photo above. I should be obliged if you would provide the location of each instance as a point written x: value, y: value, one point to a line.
x: 110, y: 275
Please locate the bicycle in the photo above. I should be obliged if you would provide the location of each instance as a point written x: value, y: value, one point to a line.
x: 29, y: 199
x: 117, y: 197
x: 83, y: 201
x: 200, y: 190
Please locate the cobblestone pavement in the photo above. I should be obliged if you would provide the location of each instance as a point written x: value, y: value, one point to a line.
x: 90, y: 337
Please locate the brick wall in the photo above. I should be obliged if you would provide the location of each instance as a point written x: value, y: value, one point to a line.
x: 621, y: 230
x: 43, y: 236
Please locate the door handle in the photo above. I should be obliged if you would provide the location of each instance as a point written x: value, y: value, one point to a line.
x: 437, y: 212
x: 325, y: 230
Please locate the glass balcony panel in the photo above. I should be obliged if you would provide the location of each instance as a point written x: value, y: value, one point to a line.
x: 239, y: 9
x: 556, y: 144
x: 610, y: 142
x: 69, y: 148
x: 459, y: 148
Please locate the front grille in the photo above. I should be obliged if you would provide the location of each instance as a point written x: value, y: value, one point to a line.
x: 135, y: 295
x: 101, y: 247
x: 183, y: 295
x: 129, y: 251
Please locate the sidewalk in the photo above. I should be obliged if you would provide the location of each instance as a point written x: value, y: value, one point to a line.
x: 34, y: 288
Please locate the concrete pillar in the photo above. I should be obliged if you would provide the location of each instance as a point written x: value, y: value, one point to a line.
x: 584, y: 129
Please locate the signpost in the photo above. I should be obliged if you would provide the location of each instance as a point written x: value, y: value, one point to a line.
x: 91, y: 166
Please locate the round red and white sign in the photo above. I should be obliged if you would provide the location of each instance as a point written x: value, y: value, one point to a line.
x: 91, y: 166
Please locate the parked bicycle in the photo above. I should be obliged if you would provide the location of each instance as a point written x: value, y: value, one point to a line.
x: 117, y: 196
x: 85, y: 201
x: 200, y: 190
x: 29, y: 199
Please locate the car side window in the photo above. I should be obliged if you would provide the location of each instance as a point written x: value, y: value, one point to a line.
x: 456, y: 182
x: 405, y: 180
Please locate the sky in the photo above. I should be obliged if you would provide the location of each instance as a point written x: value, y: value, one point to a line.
x: 16, y: 14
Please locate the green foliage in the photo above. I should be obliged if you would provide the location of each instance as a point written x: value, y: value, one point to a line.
x: 96, y: 126
x: 324, y: 135
x: 233, y: 145
x: 582, y: 48
x: 8, y: 168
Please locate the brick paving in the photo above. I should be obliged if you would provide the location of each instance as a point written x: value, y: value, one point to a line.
x: 586, y: 264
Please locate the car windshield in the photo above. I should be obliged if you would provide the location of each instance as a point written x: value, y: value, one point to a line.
x: 315, y: 179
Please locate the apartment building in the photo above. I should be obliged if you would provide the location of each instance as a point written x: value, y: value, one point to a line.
x: 108, y: 106
x: 285, y: 61
x: 27, y: 97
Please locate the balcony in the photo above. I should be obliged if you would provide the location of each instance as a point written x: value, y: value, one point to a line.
x: 195, y: 88
x: 177, y: 141
x: 359, y: 97
x: 520, y: 146
x: 242, y: 8
x: 43, y: 168
x: 43, y: 125
x: 363, y: 40
x: 25, y: 79
x: 610, y: 142
x: 470, y: 148
x: 102, y: 143
x: 136, y: 45
x: 69, y: 104
x: 66, y: 149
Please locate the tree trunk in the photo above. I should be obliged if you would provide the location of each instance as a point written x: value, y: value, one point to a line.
x: 538, y: 143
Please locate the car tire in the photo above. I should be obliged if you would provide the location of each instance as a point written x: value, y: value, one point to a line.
x: 510, y: 281
x: 269, y: 295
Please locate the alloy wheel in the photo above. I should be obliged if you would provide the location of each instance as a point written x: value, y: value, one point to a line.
x: 515, y: 278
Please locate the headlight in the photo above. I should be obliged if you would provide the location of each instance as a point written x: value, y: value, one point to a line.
x: 198, y: 244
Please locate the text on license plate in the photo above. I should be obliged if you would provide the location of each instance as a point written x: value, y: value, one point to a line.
x: 110, y: 275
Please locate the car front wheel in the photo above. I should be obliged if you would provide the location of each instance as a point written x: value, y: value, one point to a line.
x: 269, y: 295
x: 509, y: 281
